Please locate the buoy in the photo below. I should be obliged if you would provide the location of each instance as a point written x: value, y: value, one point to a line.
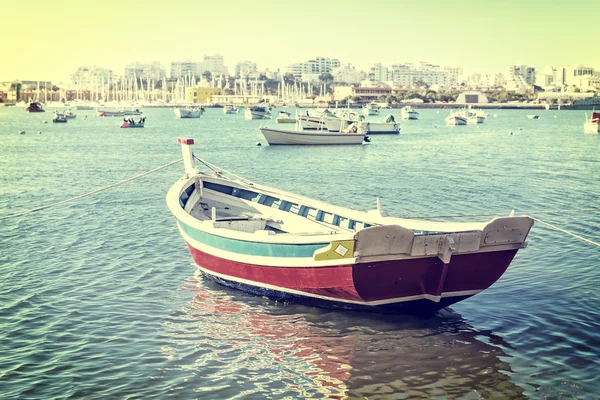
x: 258, y: 143
x: 21, y: 132
x: 44, y: 121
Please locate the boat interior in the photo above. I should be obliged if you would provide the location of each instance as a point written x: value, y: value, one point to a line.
x: 251, y: 211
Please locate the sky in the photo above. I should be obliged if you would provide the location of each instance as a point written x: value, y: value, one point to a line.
x: 49, y: 40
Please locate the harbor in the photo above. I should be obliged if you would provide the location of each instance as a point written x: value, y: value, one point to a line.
x: 105, y: 282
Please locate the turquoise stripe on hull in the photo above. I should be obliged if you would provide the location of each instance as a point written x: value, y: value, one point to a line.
x: 251, y: 248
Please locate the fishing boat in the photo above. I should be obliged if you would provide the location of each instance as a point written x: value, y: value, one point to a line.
x: 132, y: 124
x: 592, y: 125
x: 230, y: 109
x: 455, y: 119
x: 257, y: 113
x: 285, y: 246
x: 118, y: 113
x: 132, y: 111
x: 187, y: 112
x: 70, y: 115
x: 110, y: 113
x: 311, y: 137
x: 285, y: 117
x: 408, y: 112
x: 532, y: 116
x: 371, y: 109
x: 472, y: 117
x: 35, y: 107
x: 387, y: 126
x: 59, y: 117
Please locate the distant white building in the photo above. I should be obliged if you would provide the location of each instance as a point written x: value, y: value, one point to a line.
x: 379, y: 73
x: 403, y: 75
x: 577, y: 75
x: 153, y: 70
x: 520, y: 78
x: 215, y: 65
x: 87, y: 78
x: 180, y: 69
x: 525, y: 71
x: 347, y: 74
x: 245, y: 68
x: 310, y: 70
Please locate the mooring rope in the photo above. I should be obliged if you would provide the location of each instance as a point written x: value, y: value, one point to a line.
x: 576, y: 210
x: 219, y: 171
x: 89, y: 193
x: 556, y: 228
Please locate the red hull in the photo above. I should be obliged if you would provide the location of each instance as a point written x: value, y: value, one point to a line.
x: 382, y: 282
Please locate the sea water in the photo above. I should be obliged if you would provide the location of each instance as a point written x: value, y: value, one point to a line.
x: 99, y: 298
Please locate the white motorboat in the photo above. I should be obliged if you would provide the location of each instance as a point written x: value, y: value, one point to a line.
x: 408, y: 112
x: 188, y: 112
x: 230, y: 109
x: 387, y: 126
x: 371, y: 109
x: 592, y: 125
x: 533, y: 116
x: 258, y: 113
x: 455, y: 119
x: 325, y: 119
x: 285, y: 117
x: 310, y: 137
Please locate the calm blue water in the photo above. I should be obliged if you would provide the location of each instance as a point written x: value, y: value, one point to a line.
x: 99, y: 298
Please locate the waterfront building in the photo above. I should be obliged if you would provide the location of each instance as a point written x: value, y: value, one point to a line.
x: 366, y: 93
x: 149, y: 71
x: 347, y: 74
x: 471, y: 97
x: 309, y: 71
x: 245, y: 68
x: 201, y: 95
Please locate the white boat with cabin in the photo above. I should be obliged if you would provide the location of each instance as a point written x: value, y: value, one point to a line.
x: 310, y: 137
x: 188, y: 112
x: 455, y: 119
x: 257, y: 113
x: 371, y: 109
x: 408, y: 112
x: 230, y: 109
x: 285, y: 117
x: 592, y: 125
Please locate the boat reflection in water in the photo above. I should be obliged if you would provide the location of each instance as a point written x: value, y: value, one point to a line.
x: 232, y: 343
